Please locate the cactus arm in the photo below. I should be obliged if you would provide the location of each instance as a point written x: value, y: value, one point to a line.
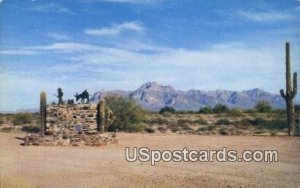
x: 294, y: 92
x: 43, y: 103
x: 282, y: 94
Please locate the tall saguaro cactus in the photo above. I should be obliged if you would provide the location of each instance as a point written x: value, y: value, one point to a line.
x: 43, y: 103
x: 101, y: 116
x: 291, y: 91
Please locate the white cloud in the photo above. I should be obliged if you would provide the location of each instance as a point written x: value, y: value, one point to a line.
x: 269, y: 16
x: 18, y: 52
x: 51, y: 7
x: 66, y: 47
x: 234, y: 66
x: 116, y: 29
x: 57, y: 36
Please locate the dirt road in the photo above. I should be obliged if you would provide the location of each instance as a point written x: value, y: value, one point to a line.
x: 39, y: 166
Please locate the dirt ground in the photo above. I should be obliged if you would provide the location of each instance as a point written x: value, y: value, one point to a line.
x: 41, y: 166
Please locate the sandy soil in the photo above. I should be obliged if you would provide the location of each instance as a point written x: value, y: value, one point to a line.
x: 38, y: 166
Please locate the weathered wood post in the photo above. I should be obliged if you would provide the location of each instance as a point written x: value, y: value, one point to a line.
x: 43, y: 103
x: 101, y: 116
x: 290, y: 93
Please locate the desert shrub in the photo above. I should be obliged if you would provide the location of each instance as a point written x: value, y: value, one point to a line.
x: 220, y: 108
x: 223, y: 122
x: 244, y: 122
x: 22, y: 118
x: 174, y: 128
x: 273, y: 133
x: 223, y: 131
x: 263, y: 107
x: 260, y: 123
x: 1, y: 120
x: 162, y: 129
x: 186, y: 127
x: 260, y: 131
x: 236, y: 112
x: 277, y: 124
x: 297, y: 108
x: 7, y: 129
x: 184, y: 121
x: 249, y: 111
x: 185, y: 112
x: 128, y: 114
x: 202, y: 129
x: 167, y: 109
x: 205, y: 110
x: 211, y: 127
x: 159, y: 121
x: 200, y: 121
x: 149, y: 130
x: 31, y: 129
x: 167, y: 114
x: 135, y: 128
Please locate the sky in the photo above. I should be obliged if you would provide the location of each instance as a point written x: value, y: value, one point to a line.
x: 121, y: 44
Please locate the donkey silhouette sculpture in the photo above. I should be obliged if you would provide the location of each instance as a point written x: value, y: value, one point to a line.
x: 84, y: 97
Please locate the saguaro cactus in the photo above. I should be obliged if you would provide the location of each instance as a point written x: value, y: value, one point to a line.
x: 291, y: 91
x: 101, y: 116
x: 43, y: 103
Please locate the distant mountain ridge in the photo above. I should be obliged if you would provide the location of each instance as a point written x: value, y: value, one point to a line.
x: 153, y: 96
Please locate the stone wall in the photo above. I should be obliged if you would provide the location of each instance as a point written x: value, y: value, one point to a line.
x: 67, y: 119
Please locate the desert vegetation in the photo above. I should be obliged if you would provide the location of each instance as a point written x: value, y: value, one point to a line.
x: 218, y: 120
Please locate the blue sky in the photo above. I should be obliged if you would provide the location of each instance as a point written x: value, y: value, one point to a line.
x: 121, y: 44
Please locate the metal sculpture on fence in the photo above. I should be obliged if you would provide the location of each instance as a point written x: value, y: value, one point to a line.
x: 84, y: 97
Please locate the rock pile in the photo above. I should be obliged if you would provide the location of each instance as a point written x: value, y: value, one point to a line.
x: 71, y: 140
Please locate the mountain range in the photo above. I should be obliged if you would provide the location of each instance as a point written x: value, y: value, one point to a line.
x: 153, y: 96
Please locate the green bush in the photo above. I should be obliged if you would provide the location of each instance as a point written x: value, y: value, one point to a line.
x: 129, y: 116
x: 159, y: 121
x: 22, y: 118
x: 149, y: 130
x: 167, y: 109
x: 31, y: 129
x: 184, y: 121
x: 174, y: 128
x: 223, y: 131
x: 244, y: 122
x: 135, y: 128
x: 162, y: 129
x: 186, y: 127
x: 260, y: 122
x: 1, y: 120
x: 7, y: 129
x: 236, y: 112
x: 211, y: 127
x: 220, y: 108
x: 223, y: 122
x: 273, y: 133
x: 263, y: 107
x: 200, y: 121
x: 297, y: 108
x: 205, y: 110
x: 275, y: 124
x: 202, y: 129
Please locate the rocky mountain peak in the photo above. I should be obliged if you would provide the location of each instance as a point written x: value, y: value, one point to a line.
x: 153, y: 96
x: 154, y: 86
